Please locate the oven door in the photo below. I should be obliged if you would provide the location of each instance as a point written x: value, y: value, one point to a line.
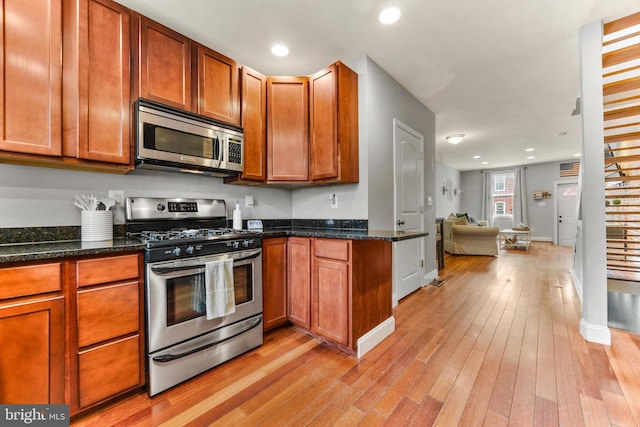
x: 175, y: 292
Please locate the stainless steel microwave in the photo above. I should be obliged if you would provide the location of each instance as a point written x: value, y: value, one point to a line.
x: 176, y: 140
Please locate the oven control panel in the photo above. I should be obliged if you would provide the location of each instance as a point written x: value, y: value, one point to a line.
x: 186, y: 250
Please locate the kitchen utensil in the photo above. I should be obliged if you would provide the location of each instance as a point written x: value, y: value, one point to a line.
x: 107, y: 202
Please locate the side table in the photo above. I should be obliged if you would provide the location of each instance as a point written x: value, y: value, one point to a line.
x: 514, y: 239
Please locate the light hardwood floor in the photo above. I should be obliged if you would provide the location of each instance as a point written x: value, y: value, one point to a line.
x: 497, y: 344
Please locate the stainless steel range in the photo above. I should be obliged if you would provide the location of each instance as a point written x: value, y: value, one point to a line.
x: 203, y: 286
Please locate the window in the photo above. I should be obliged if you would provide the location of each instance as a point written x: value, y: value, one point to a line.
x: 502, y: 196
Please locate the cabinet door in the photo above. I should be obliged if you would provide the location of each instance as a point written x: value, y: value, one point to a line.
x: 323, y: 116
x: 97, y: 81
x: 299, y: 280
x: 287, y: 129
x: 164, y: 65
x: 331, y: 289
x: 30, y: 64
x: 333, y: 143
x: 254, y: 122
x: 330, y: 300
x: 216, y: 86
x: 274, y: 282
x: 32, y: 359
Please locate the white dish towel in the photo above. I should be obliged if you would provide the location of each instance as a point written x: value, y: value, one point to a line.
x: 220, y: 294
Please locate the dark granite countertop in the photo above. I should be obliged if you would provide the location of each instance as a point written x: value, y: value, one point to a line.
x: 38, y: 243
x: 392, y: 236
x: 19, y: 252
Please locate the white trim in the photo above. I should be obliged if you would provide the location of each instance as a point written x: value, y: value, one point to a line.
x: 375, y: 336
x: 577, y: 285
x: 595, y: 333
x: 430, y: 276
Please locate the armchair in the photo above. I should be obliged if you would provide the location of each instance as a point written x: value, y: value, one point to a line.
x: 462, y: 238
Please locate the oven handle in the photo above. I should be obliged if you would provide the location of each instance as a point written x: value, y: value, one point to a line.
x: 246, y: 327
x: 199, y: 268
x: 163, y: 271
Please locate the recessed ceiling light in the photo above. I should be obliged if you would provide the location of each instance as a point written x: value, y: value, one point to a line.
x: 531, y: 157
x: 455, y: 139
x: 476, y: 157
x: 279, y: 50
x: 389, y: 15
x: 577, y: 155
x: 485, y: 163
x: 530, y: 149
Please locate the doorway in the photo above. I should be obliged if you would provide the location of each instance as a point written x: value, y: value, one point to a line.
x: 408, y: 149
x: 566, y: 218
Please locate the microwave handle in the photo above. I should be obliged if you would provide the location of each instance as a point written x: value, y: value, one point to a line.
x: 220, y: 152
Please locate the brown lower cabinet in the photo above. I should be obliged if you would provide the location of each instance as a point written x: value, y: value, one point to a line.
x: 274, y: 282
x: 106, y: 339
x: 71, y: 330
x: 338, y: 290
x: 32, y: 333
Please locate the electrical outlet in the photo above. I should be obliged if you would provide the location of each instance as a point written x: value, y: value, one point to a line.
x: 333, y: 198
x: 117, y: 195
x: 248, y: 200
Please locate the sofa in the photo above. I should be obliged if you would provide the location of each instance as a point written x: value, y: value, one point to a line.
x: 464, y: 238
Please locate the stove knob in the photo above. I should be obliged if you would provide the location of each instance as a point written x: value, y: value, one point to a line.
x: 190, y: 250
x: 176, y: 251
x: 236, y: 245
x: 245, y: 243
x: 161, y: 207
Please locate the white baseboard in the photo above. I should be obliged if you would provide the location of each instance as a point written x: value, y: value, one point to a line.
x: 375, y: 336
x: 541, y: 239
x: 595, y: 333
x: 577, y: 284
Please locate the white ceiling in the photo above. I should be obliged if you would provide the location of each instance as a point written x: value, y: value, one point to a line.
x: 503, y: 72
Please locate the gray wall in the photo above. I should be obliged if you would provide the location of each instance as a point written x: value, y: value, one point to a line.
x: 444, y: 206
x: 33, y: 196
x: 540, y: 176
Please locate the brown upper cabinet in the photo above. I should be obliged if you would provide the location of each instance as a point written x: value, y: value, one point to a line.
x: 31, y: 71
x: 96, y: 90
x: 215, y: 86
x: 176, y: 71
x: 333, y: 121
x: 163, y: 65
x: 253, y: 95
x: 287, y: 129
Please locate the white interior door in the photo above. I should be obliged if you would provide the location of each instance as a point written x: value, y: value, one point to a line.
x: 566, y: 207
x: 408, y: 148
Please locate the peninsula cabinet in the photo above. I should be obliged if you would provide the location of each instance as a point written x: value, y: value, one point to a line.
x: 339, y: 289
x: 32, y: 334
x: 287, y: 130
x: 162, y: 65
x: 333, y: 121
x: 31, y: 83
x: 96, y: 90
x: 105, y: 318
x: 274, y: 282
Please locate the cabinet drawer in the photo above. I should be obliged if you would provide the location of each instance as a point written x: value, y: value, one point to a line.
x: 108, y: 370
x: 108, y: 312
x: 30, y: 280
x: 332, y: 249
x: 108, y: 269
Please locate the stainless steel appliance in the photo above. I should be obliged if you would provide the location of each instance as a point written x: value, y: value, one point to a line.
x: 176, y: 140
x: 183, y: 237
